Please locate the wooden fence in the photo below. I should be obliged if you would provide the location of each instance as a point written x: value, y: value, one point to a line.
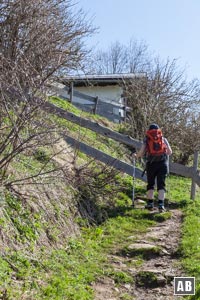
x: 174, y: 168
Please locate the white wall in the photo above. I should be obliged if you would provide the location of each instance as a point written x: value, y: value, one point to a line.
x: 106, y: 93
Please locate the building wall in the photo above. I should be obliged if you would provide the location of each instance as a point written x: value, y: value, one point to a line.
x: 107, y: 97
x: 110, y: 94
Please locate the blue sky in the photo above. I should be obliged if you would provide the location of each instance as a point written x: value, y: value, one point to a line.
x: 170, y: 28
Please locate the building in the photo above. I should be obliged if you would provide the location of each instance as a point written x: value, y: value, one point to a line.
x: 101, y: 94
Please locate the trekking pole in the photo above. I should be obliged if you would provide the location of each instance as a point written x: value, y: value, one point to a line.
x: 133, y: 192
x: 168, y: 185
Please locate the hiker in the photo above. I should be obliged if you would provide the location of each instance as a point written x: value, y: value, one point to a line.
x: 155, y: 149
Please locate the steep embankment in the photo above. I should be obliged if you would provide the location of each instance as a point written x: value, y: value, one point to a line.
x: 68, y: 231
x: 49, y: 192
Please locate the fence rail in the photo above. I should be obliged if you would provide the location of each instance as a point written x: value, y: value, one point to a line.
x: 174, y: 168
x: 105, y: 158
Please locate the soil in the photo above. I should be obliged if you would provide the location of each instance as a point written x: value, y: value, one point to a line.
x: 153, y: 279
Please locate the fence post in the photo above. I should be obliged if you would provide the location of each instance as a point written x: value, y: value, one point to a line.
x: 195, y: 168
x: 71, y: 91
x: 125, y: 109
x: 95, y: 105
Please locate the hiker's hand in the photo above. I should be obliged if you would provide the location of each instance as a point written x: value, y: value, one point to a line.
x: 134, y: 155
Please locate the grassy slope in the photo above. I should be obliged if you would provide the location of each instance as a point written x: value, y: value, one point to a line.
x: 32, y: 269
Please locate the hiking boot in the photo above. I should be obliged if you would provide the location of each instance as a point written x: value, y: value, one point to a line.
x: 149, y: 205
x: 161, y: 208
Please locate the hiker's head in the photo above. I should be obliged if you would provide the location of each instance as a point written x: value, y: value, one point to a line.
x: 153, y: 126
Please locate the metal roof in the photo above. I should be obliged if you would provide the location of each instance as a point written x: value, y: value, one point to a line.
x: 100, y: 79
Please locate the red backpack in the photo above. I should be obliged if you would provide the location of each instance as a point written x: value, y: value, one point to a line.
x: 155, y: 142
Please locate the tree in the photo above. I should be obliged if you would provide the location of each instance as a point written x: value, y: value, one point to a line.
x: 42, y: 37
x: 169, y: 100
x: 164, y: 96
x: 120, y: 59
x: 38, y: 40
x: 138, y: 56
x: 111, y: 61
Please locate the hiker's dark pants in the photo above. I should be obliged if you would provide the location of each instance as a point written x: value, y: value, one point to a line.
x: 156, y: 170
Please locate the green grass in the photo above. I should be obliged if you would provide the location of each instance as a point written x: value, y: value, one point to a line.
x: 85, y: 135
x: 66, y: 105
x: 178, y: 190
x: 70, y: 271
x: 85, y: 259
x: 34, y: 271
x: 190, y: 244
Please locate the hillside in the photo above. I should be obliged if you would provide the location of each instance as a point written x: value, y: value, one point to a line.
x: 68, y: 229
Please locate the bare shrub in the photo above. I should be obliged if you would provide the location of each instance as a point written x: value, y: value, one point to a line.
x: 38, y: 41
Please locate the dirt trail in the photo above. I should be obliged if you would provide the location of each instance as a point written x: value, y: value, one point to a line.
x: 153, y: 280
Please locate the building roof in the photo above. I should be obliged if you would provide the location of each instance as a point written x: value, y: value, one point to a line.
x: 111, y: 79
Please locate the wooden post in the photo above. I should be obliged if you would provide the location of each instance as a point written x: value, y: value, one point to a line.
x: 95, y: 105
x: 195, y: 169
x: 71, y: 91
x: 125, y: 109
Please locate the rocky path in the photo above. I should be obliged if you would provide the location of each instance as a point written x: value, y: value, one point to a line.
x: 153, y: 279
